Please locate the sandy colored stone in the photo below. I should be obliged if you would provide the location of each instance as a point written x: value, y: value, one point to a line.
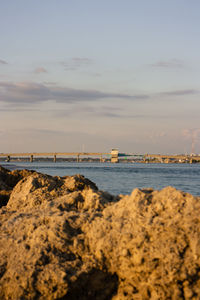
x: 151, y: 240
x: 42, y: 248
x: 62, y: 238
x: 8, y: 179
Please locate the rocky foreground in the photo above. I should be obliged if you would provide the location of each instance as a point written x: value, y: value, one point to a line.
x: 62, y: 238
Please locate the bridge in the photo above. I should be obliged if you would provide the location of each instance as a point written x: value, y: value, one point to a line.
x: 114, y: 156
x: 54, y: 155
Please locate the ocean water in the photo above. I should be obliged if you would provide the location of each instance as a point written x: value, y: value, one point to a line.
x: 122, y: 178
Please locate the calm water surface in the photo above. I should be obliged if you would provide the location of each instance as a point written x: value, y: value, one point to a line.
x: 122, y: 178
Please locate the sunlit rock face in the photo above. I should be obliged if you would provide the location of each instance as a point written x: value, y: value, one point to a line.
x: 62, y: 238
x: 8, y: 179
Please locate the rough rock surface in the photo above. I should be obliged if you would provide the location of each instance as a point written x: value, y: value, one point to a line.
x: 62, y: 238
x: 8, y: 179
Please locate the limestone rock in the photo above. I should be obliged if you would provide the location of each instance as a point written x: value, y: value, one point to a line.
x: 8, y: 179
x: 151, y: 240
x: 43, y: 254
x: 62, y: 238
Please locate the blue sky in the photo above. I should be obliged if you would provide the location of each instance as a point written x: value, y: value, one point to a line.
x: 100, y: 74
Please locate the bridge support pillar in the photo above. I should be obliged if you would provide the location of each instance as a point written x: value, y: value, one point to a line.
x: 78, y: 158
x: 54, y: 158
x: 114, y: 156
x: 8, y: 158
x: 31, y: 158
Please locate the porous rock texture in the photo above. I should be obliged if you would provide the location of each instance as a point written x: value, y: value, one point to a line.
x: 8, y: 179
x: 62, y: 238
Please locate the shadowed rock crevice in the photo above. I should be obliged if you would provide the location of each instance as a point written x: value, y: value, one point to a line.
x: 4, y: 197
x: 3, y: 268
x: 96, y: 284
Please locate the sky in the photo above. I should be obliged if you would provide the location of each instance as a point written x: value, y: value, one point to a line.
x: 95, y: 75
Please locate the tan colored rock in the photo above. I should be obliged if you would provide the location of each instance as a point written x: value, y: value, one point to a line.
x: 62, y: 238
x: 42, y: 249
x: 151, y: 240
x: 8, y: 179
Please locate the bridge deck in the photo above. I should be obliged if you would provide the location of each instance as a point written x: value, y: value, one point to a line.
x: 77, y: 154
x: 53, y: 153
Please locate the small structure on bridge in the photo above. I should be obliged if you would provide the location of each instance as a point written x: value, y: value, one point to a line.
x: 114, y: 156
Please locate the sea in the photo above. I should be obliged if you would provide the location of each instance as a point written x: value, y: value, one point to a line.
x: 122, y: 178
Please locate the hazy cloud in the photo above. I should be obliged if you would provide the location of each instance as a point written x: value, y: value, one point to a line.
x: 18, y: 109
x: 180, y: 92
x: 87, y: 110
x: 172, y: 63
x: 76, y: 63
x: 50, y: 83
x: 31, y: 93
x: 110, y: 112
x: 193, y: 135
x: 3, y: 62
x: 40, y: 70
x: 96, y: 74
x: 157, y: 135
x: 113, y: 114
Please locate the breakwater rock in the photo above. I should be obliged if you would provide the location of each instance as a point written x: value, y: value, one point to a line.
x: 62, y: 238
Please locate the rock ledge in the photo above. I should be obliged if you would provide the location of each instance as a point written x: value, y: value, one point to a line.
x: 62, y: 238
